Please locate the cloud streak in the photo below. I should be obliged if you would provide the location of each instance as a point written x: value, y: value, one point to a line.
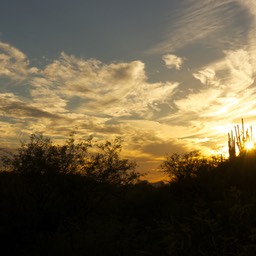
x: 13, y: 63
x: 209, y: 22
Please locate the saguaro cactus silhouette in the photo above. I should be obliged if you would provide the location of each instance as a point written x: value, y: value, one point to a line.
x: 242, y: 140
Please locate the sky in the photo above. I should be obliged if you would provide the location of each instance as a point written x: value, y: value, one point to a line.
x: 166, y: 76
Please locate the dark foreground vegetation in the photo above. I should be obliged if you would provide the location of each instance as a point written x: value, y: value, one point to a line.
x: 83, y: 199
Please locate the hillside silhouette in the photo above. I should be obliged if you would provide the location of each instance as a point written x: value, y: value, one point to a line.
x: 82, y: 198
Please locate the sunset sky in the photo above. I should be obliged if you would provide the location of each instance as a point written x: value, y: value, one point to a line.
x: 167, y: 75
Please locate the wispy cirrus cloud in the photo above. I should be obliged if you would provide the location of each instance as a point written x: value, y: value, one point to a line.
x: 91, y: 79
x: 14, y: 63
x: 211, y: 22
x: 250, y: 7
x: 115, y: 89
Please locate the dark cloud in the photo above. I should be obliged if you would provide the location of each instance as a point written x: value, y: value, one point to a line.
x: 101, y: 128
x: 162, y: 148
x: 22, y: 110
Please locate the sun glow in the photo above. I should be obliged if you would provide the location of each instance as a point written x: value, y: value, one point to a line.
x: 249, y: 145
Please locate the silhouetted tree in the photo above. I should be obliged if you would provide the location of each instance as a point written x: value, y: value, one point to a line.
x: 101, y: 162
x: 189, y: 165
x: 105, y: 165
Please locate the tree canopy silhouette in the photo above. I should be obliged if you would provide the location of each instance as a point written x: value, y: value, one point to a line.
x: 186, y: 166
x: 100, y: 161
